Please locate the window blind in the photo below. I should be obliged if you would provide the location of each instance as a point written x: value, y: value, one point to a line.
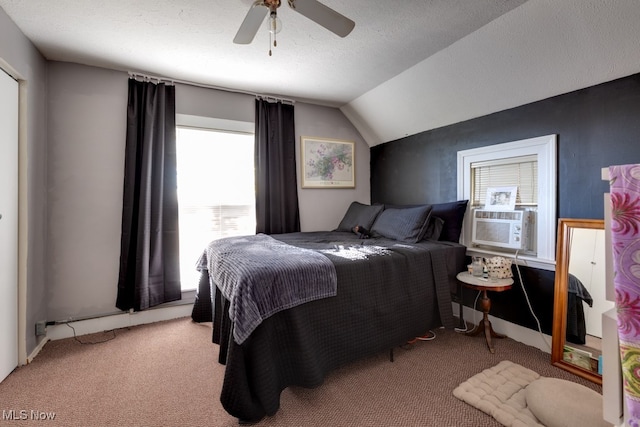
x: 521, y: 172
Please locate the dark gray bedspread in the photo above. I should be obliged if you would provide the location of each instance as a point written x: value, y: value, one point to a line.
x: 386, y: 263
x: 388, y: 293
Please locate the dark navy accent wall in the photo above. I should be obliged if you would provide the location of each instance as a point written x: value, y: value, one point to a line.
x: 596, y: 127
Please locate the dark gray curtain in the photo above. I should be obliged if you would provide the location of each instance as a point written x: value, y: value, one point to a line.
x: 275, y: 156
x: 149, y: 253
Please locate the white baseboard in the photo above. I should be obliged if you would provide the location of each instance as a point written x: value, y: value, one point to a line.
x: 117, y: 321
x: 124, y: 320
x: 36, y: 350
x: 515, y: 332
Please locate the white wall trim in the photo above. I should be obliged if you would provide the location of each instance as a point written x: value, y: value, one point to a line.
x: 222, y: 125
x: 544, y: 148
x: 118, y: 321
x: 525, y: 260
x: 515, y: 332
x: 36, y: 350
x: 23, y: 222
x: 23, y: 208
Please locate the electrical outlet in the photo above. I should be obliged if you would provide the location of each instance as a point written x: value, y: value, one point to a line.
x: 41, y: 328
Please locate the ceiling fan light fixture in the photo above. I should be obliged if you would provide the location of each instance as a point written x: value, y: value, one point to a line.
x: 312, y: 9
x: 274, y: 24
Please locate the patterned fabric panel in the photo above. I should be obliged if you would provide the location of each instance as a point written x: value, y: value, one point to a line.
x: 625, y: 230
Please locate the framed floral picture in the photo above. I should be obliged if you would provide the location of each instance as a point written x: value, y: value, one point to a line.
x: 327, y: 163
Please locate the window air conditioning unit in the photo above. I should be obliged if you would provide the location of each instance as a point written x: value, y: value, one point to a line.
x: 502, y: 229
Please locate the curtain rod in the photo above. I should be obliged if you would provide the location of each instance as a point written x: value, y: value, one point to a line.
x: 135, y: 75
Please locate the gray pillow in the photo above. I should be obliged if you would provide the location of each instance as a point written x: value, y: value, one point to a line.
x: 434, y: 228
x: 359, y: 214
x: 407, y: 225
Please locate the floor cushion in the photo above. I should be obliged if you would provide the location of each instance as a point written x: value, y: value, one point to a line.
x: 500, y: 392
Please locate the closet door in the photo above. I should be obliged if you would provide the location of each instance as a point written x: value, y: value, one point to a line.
x: 8, y: 224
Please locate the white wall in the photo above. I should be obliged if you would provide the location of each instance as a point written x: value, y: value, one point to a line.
x: 323, y: 209
x: 87, y: 122
x: 540, y: 49
x: 19, y: 57
x: 86, y: 127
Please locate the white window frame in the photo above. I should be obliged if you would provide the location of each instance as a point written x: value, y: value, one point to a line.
x: 211, y: 124
x: 544, y: 148
x: 188, y: 120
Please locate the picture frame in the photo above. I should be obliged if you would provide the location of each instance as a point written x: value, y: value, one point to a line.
x: 580, y: 358
x: 327, y: 163
x: 501, y: 198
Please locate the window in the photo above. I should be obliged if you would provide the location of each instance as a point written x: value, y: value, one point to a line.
x: 216, y: 191
x: 520, y: 171
x: 530, y: 165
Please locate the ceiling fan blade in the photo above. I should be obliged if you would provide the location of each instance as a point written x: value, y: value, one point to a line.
x: 251, y: 23
x: 323, y: 15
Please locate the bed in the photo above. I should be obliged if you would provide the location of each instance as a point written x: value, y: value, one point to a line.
x: 391, y: 285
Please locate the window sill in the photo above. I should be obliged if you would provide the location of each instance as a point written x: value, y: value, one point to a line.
x: 526, y: 260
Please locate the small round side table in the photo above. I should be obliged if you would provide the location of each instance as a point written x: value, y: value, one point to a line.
x: 484, y: 285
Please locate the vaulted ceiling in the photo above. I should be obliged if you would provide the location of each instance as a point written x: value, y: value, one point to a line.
x: 408, y: 65
x: 192, y: 40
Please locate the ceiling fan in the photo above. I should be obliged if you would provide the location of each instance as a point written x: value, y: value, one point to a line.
x: 312, y: 9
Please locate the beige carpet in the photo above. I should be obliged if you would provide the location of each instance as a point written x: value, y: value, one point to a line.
x: 166, y: 374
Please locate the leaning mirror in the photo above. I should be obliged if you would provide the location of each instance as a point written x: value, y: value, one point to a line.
x: 579, y: 298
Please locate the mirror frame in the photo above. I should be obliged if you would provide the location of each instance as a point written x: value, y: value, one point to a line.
x: 559, y: 330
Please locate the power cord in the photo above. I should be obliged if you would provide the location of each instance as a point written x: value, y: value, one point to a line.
x: 475, y: 308
x: 425, y: 337
x: 113, y: 336
x: 529, y: 303
x: 432, y: 336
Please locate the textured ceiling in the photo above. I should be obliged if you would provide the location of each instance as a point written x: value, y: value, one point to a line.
x: 191, y: 40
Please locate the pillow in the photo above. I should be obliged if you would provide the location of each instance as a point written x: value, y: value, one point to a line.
x: 407, y: 225
x: 359, y: 214
x: 452, y: 213
x: 556, y: 402
x: 434, y: 228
